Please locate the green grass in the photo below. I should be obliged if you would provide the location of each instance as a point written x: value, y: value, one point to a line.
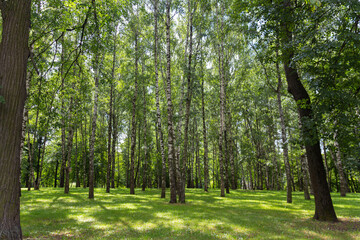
x: 51, y: 214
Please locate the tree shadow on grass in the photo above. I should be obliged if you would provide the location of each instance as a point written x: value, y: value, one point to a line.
x: 119, y: 215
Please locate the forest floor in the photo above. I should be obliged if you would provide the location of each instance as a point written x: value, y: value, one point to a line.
x: 50, y: 214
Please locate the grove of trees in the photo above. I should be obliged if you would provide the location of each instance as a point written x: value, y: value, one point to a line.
x: 229, y: 94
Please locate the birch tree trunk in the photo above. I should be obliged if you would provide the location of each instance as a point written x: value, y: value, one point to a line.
x: 158, y: 113
x: 69, y: 148
x: 283, y: 136
x: 171, y: 147
x: 222, y: 108
x: 206, y: 166
x: 94, y: 117
x: 133, y: 119
x: 187, y: 111
x: 305, y: 174
x: 110, y: 127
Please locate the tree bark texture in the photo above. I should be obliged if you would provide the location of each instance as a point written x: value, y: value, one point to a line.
x: 171, y: 147
x: 222, y: 110
x: 133, y: 120
x: 324, y: 209
x: 158, y: 113
x: 13, y: 60
x: 95, y: 110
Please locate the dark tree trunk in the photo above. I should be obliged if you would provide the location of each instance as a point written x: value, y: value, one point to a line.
x: 38, y: 182
x: 324, y: 209
x: 13, y: 59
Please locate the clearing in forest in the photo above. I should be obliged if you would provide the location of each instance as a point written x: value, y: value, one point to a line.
x: 50, y: 214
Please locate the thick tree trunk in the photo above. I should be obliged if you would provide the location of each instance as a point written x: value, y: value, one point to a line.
x: 324, y: 209
x: 171, y: 147
x: 13, y: 59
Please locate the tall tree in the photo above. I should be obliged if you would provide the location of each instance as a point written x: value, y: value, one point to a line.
x: 133, y: 114
x: 220, y: 23
x: 283, y: 135
x: 206, y: 165
x: 111, y: 118
x: 171, y: 146
x: 324, y: 209
x: 95, y: 110
x: 158, y: 113
x: 14, y: 53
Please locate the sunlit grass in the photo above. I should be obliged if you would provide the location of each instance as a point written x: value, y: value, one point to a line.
x: 51, y: 214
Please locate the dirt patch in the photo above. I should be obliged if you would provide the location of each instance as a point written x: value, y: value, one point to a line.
x: 344, y: 224
x: 55, y: 236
